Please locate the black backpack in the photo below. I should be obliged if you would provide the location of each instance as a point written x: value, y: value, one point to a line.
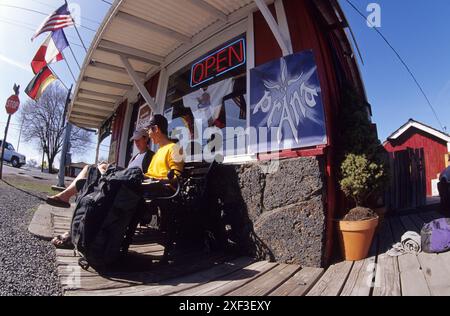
x: 104, y: 220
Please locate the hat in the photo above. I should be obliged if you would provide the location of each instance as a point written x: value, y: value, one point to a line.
x: 139, y: 134
x: 160, y: 121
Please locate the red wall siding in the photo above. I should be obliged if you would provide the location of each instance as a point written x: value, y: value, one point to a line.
x: 152, y: 85
x: 435, y: 151
x: 266, y: 46
x: 117, y: 128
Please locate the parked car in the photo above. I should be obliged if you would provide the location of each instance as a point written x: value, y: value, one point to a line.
x: 14, y: 158
x: 444, y: 190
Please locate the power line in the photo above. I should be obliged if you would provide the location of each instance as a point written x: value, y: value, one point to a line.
x: 52, y: 7
x: 58, y: 77
x: 402, y: 61
x: 106, y: 2
x: 79, y: 35
x: 39, y: 12
x: 68, y: 66
x: 14, y: 23
x: 74, y: 57
x: 28, y: 25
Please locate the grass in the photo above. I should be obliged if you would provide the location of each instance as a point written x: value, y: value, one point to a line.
x: 30, y: 185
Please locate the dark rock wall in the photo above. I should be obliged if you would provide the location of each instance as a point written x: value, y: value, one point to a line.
x: 276, y: 211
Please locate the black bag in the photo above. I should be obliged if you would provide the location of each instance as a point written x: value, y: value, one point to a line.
x: 104, y: 219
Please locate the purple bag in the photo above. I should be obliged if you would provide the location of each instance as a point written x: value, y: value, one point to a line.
x: 436, y: 236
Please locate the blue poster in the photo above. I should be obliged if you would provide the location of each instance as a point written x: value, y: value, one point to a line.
x: 286, y: 106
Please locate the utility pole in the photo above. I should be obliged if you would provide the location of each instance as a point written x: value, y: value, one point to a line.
x: 66, y: 144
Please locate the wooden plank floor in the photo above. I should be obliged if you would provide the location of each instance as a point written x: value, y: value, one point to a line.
x: 194, y: 273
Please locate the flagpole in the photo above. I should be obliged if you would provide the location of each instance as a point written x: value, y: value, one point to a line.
x: 74, y: 57
x: 68, y: 66
x: 81, y: 40
x: 65, y: 149
x: 57, y: 77
x: 76, y: 29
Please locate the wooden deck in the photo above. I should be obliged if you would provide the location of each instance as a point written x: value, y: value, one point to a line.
x: 197, y: 274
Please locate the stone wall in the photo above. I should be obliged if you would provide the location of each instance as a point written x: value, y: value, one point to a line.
x: 278, y: 215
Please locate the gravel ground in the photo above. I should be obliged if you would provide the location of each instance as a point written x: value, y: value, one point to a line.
x: 27, y: 264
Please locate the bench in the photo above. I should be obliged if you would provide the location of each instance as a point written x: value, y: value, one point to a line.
x: 183, y: 213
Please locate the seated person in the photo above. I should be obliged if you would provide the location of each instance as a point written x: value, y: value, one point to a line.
x: 168, y: 157
x: 141, y: 160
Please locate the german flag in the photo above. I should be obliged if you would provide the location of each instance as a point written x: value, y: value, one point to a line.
x: 39, y: 83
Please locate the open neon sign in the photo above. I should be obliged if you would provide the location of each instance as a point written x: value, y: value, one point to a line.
x: 218, y: 63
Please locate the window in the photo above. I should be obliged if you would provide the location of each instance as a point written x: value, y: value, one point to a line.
x: 210, y: 94
x: 10, y: 147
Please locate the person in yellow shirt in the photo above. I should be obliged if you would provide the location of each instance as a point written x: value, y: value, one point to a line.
x: 169, y: 155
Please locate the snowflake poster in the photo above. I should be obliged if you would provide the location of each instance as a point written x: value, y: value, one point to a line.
x: 286, y: 107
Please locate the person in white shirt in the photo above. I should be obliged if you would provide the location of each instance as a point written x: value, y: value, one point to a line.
x: 141, y: 160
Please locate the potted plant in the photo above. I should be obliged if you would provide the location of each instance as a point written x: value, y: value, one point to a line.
x: 360, y: 179
x: 363, y: 173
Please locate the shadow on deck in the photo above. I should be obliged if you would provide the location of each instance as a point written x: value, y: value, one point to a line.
x: 195, y: 273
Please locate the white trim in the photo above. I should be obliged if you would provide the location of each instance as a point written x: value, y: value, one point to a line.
x: 448, y: 147
x: 161, y: 90
x: 423, y: 128
x: 137, y: 82
x: 239, y: 160
x: 250, y: 65
x: 283, y: 24
x: 124, y: 137
x: 273, y: 25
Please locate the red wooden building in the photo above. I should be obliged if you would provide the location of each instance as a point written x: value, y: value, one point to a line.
x: 436, y: 145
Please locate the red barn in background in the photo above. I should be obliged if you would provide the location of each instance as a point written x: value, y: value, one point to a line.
x: 436, y: 145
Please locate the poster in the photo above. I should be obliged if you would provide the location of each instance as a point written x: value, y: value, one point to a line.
x: 144, y: 115
x: 286, y: 106
x: 206, y: 103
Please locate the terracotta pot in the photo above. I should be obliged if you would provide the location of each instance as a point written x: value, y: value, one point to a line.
x: 356, y: 238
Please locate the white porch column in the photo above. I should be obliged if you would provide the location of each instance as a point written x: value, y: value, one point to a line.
x: 283, y: 42
x: 140, y: 86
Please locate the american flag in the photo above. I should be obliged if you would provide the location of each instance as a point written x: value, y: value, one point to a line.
x: 59, y: 19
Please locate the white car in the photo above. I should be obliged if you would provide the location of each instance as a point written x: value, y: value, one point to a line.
x: 14, y: 158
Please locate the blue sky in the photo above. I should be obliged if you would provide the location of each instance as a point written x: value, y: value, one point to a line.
x: 16, y: 52
x: 420, y: 32
x: 418, y: 29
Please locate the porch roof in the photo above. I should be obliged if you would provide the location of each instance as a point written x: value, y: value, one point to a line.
x: 140, y: 37
x: 149, y: 34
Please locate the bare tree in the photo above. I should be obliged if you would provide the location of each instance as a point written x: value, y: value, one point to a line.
x: 43, y: 124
